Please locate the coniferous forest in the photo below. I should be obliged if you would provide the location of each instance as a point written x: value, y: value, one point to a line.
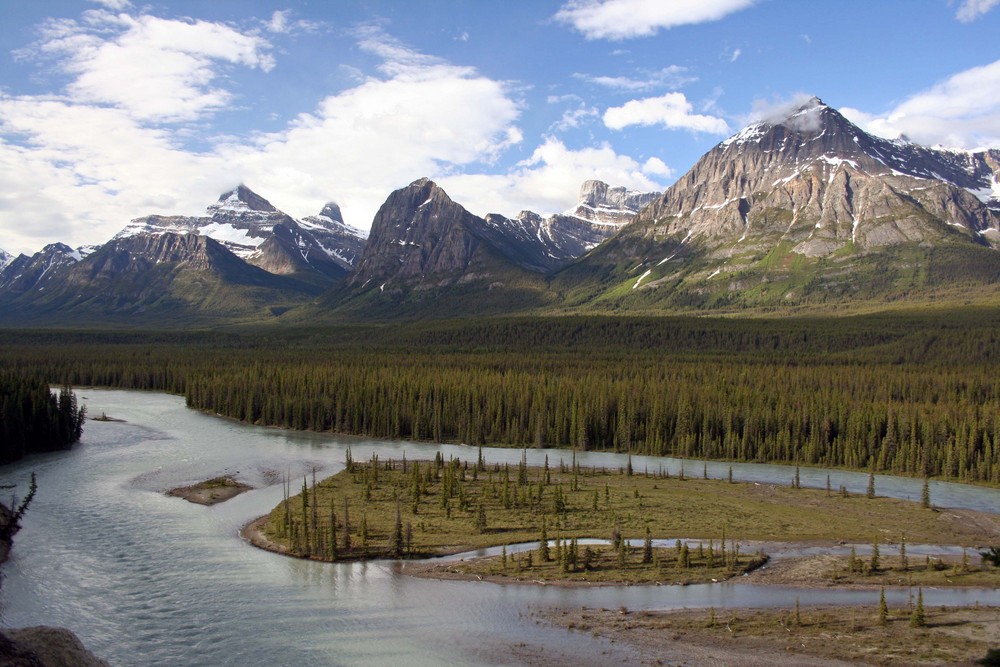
x: 910, y: 394
x: 35, y: 420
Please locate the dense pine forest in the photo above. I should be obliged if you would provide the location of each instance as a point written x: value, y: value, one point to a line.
x: 32, y: 419
x: 913, y: 394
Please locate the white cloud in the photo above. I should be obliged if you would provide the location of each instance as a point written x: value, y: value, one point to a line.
x: 100, y: 166
x: 970, y: 10
x: 671, y: 77
x: 573, y: 118
x: 425, y: 118
x: 279, y: 21
x: 169, y: 65
x: 961, y: 112
x: 624, y: 19
x: 547, y: 182
x: 671, y: 110
x: 735, y: 55
x: 654, y: 166
x: 81, y: 172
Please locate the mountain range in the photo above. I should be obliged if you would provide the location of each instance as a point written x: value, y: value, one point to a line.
x: 803, y: 209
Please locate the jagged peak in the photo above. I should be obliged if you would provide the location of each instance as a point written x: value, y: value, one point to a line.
x: 332, y: 211
x: 810, y: 116
x: 242, y: 198
x: 58, y: 247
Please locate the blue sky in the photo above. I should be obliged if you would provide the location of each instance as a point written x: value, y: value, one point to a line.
x: 111, y: 109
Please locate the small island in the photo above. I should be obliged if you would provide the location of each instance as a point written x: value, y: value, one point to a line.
x: 211, y: 492
x: 103, y: 417
x: 597, y: 526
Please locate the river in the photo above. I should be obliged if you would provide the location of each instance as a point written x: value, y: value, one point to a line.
x: 146, y: 579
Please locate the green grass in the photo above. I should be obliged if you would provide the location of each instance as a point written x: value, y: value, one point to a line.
x: 597, y: 504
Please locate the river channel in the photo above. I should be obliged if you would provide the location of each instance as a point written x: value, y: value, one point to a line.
x: 146, y: 579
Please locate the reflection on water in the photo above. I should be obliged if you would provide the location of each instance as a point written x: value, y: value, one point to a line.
x: 146, y: 579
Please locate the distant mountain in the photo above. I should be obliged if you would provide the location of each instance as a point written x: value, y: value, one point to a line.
x: 5, y: 258
x: 254, y: 230
x: 803, y: 208
x: 615, y: 207
x: 161, y: 279
x: 549, y: 244
x: 244, y: 259
x: 426, y: 253
x: 26, y: 274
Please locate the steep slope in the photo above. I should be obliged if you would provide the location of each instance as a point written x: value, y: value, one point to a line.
x: 23, y: 274
x: 165, y: 278
x: 803, y: 208
x: 5, y: 258
x: 548, y: 244
x: 319, y: 250
x: 427, y: 255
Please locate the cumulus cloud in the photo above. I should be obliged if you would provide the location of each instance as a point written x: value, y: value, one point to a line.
x: 654, y: 166
x: 970, y: 10
x: 104, y: 164
x: 169, y: 65
x: 625, y: 19
x: 79, y: 173
x: 961, y: 112
x: 547, y: 181
x: 672, y: 111
x: 671, y: 77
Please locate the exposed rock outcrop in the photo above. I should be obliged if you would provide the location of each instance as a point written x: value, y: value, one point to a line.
x: 43, y: 646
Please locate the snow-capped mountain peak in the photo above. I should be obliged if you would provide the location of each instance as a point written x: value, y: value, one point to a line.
x: 241, y: 200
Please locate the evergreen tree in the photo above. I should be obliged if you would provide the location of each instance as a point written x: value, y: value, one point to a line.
x: 918, y: 618
x: 398, y: 542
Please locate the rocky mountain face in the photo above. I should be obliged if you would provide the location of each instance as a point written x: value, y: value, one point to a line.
x: 551, y: 243
x: 23, y: 274
x: 800, y: 203
x: 5, y: 258
x: 179, y: 276
x: 254, y: 230
x: 420, y: 239
x: 611, y: 206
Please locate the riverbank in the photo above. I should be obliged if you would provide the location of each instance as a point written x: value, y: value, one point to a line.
x: 810, y: 636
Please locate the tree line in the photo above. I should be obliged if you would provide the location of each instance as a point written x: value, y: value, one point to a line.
x: 900, y: 394
x: 33, y: 419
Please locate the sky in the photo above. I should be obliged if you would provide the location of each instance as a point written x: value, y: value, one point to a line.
x: 114, y: 109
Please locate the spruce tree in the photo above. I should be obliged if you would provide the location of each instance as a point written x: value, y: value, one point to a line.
x: 918, y: 618
x: 398, y: 539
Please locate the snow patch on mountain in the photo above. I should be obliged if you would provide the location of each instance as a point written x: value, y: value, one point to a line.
x: 240, y: 241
